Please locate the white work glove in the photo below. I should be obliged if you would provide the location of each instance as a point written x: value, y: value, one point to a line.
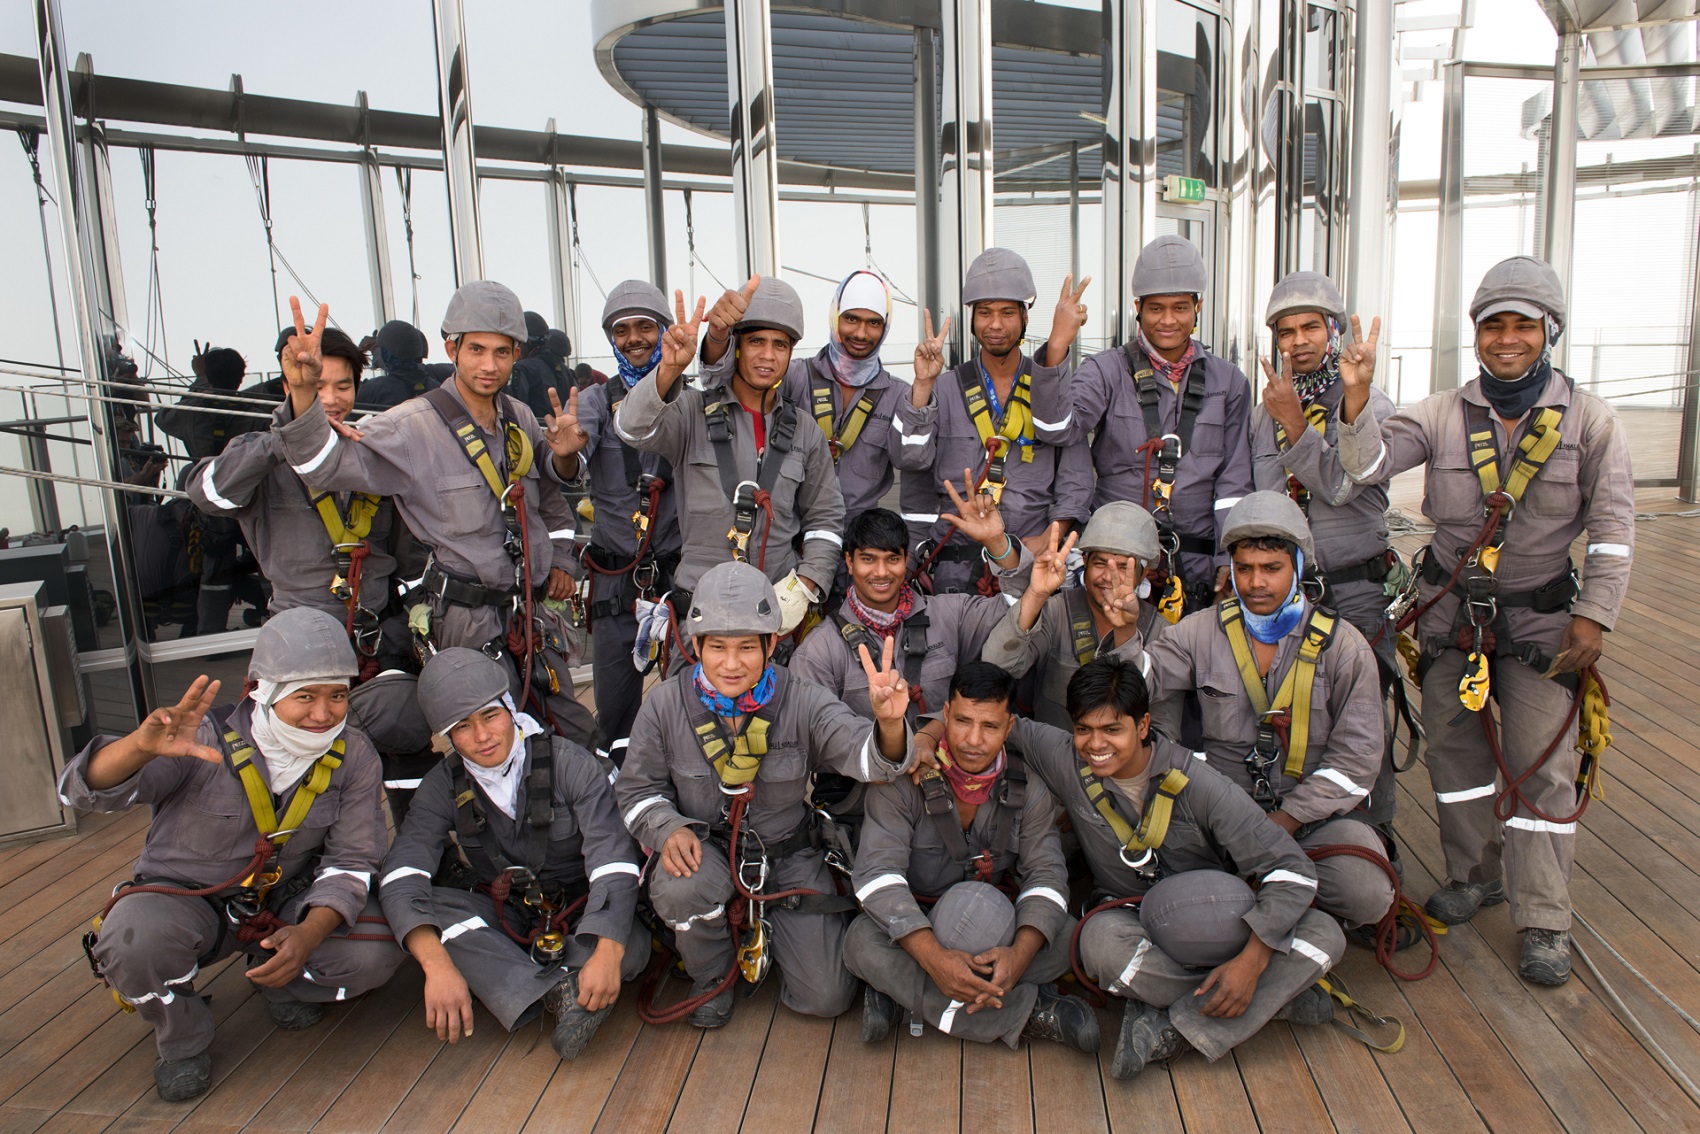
x: 795, y: 595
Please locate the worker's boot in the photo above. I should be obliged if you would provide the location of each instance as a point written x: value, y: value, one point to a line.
x: 1546, y: 956
x: 1457, y: 902
x: 1146, y: 1037
x: 1062, y: 1019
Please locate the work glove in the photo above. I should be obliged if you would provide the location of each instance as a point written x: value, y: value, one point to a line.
x: 795, y: 595
x: 652, y: 622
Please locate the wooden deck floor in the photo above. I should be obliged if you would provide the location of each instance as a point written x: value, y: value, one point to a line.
x: 1484, y: 1052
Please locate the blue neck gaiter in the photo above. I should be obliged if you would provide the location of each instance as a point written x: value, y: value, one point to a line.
x: 1271, y: 628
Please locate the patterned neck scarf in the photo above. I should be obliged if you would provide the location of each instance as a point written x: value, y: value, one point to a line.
x: 1271, y: 628
x: 1310, y: 386
x: 1173, y: 372
x: 881, y: 623
x: 972, y: 788
x: 721, y: 705
x: 632, y: 375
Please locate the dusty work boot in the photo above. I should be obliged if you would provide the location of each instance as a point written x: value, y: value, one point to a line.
x: 294, y: 1015
x: 1546, y: 956
x: 1457, y: 902
x: 1146, y: 1037
x: 179, y: 1079
x: 879, y: 1014
x: 1062, y: 1019
x: 717, y: 1013
x: 1405, y: 935
x: 574, y: 1023
x: 1309, y: 1008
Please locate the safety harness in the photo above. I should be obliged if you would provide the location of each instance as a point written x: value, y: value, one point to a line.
x: 1139, y: 845
x: 911, y: 645
x: 1008, y: 798
x: 1167, y: 449
x: 1284, y: 722
x: 643, y: 567
x: 749, y: 497
x: 350, y: 529
x: 1013, y: 425
x: 841, y: 433
x: 1082, y: 629
x: 1317, y: 415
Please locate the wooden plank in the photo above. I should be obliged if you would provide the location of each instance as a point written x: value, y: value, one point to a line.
x: 63, y: 1123
x: 786, y: 1092
x: 926, y: 1095
x: 856, y: 1090
x: 447, y: 1085
x: 715, y: 1091
x: 54, y: 871
x: 574, y: 1097
x: 1280, y: 1083
x: 22, y: 1120
x: 643, y: 1096
x: 1000, y: 1089
x: 94, y: 829
x: 509, y: 1093
x: 1144, y: 1105
x: 43, y: 1006
x: 1351, y: 1084
x: 1212, y: 1096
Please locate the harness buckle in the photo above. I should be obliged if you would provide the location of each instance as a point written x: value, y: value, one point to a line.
x: 743, y: 519
x: 1142, y: 864
x: 1169, y: 459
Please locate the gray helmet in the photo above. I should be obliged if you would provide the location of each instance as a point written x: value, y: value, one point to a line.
x: 1121, y: 527
x: 1522, y: 284
x: 1170, y: 265
x: 404, y: 341
x: 484, y: 306
x: 998, y: 273
x: 634, y: 297
x: 1197, y: 917
x: 1304, y: 291
x: 774, y: 307
x: 973, y: 917
x: 732, y: 598
x: 536, y: 326
x: 300, y: 643
x: 456, y: 683
x: 1271, y: 515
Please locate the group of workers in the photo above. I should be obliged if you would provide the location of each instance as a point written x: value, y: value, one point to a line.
x: 840, y: 740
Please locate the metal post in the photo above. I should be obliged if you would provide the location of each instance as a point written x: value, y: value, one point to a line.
x: 1130, y: 154
x: 559, y: 206
x: 97, y: 167
x: 1449, y: 250
x: 755, y: 155
x: 1688, y: 445
x: 927, y: 237
x: 1559, y: 192
x: 654, y: 200
x: 1074, y: 233
x: 96, y: 334
x: 965, y: 142
x: 377, y: 231
x: 454, y: 96
x: 1369, y: 208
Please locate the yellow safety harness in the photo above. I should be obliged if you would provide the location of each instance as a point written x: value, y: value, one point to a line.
x: 347, y: 529
x: 1317, y: 415
x: 1292, y: 699
x: 737, y: 759
x: 839, y: 441
x: 1015, y: 428
x: 1138, y: 845
x: 259, y: 795
x: 1082, y: 628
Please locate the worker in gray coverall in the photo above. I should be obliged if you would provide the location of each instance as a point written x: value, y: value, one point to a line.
x: 1004, y: 415
x: 1520, y: 431
x: 314, y: 929
x: 535, y: 823
x: 1154, y: 820
x: 1291, y: 700
x: 635, y: 542
x: 721, y: 754
x: 1295, y: 449
x: 1163, y: 402
x: 977, y: 825
x: 453, y: 460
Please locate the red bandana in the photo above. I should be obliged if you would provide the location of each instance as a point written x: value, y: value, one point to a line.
x: 973, y: 788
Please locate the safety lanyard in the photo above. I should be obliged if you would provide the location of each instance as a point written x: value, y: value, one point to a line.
x: 1081, y: 626
x: 471, y: 821
x: 1294, y: 693
x: 259, y: 794
x: 839, y: 436
x: 1153, y: 825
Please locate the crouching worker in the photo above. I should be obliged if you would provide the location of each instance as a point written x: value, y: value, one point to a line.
x: 718, y: 770
x: 965, y: 839
x: 1203, y: 962
x: 548, y: 925
x: 275, y: 809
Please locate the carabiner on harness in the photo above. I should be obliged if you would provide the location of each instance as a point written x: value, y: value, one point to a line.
x: 743, y: 519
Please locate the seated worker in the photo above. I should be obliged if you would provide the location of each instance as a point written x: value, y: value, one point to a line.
x: 535, y: 823
x: 277, y: 767
x: 972, y: 832
x: 1291, y: 700
x: 1202, y: 963
x: 1054, y: 631
x: 720, y: 755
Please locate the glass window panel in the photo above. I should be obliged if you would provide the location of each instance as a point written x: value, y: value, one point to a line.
x: 1321, y: 61
x: 1186, y: 91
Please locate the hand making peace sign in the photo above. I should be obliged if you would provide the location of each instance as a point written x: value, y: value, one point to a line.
x: 888, y: 693
x: 561, y: 428
x: 929, y: 352
x: 1070, y: 316
x: 171, y: 732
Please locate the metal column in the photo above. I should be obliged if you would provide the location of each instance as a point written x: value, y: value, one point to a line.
x: 1370, y: 215
x: 560, y: 222
x: 755, y: 156
x: 1130, y: 154
x: 654, y: 200
x: 1559, y: 192
x: 927, y: 237
x: 1688, y: 445
x: 1074, y: 233
x: 86, y: 270
x: 965, y: 143
x: 377, y: 231
x: 459, y: 162
x: 1449, y: 250
x: 103, y: 216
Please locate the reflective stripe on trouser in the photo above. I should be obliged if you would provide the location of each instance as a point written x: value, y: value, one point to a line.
x: 1120, y: 959
x: 808, y: 949
x: 877, y: 959
x: 1363, y: 604
x: 498, y: 970
x: 1352, y: 889
x: 614, y: 679
x: 1537, y: 859
x: 150, y: 943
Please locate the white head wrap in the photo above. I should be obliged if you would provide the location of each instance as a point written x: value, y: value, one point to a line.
x: 289, y: 750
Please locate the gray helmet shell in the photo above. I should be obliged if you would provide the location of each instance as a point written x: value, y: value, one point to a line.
x: 973, y: 917
x: 302, y: 643
x: 634, y: 297
x: 485, y: 307
x: 1170, y: 265
x: 456, y: 683
x: 998, y: 273
x: 732, y: 599
x: 1260, y: 515
x: 1522, y: 284
x: 775, y: 306
x: 1121, y: 527
x: 1304, y: 291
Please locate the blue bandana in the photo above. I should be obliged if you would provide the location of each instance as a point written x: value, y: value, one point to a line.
x: 721, y: 705
x: 1271, y: 628
x: 635, y: 374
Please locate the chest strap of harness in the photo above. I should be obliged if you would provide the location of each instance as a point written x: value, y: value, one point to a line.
x: 1008, y: 798
x: 839, y: 437
x: 1145, y: 386
x: 518, y: 456
x: 911, y: 642
x: 1082, y: 629
x: 1317, y: 415
x: 259, y: 794
x: 1139, y: 846
x: 1013, y: 428
x: 735, y: 758
x: 349, y: 531
x: 1283, y: 723
x: 748, y: 497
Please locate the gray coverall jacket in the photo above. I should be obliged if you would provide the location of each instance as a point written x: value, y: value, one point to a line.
x: 152, y: 945
x: 1213, y: 473
x: 667, y: 783
x: 1586, y: 485
x: 252, y: 483
x: 1214, y: 826
x: 902, y: 854
x: 589, y: 851
x: 806, y: 497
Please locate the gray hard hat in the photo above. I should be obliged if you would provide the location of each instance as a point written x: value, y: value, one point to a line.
x: 1267, y: 515
x: 1304, y: 291
x: 1169, y: 265
x: 1121, y: 527
x: 456, y: 683
x: 774, y: 307
x: 634, y: 298
x: 973, y: 917
x: 301, y: 643
x: 1522, y: 284
x: 404, y: 341
x: 733, y: 598
x: 386, y: 709
x: 998, y: 273
x: 1197, y: 917
x: 536, y: 326
x: 484, y: 306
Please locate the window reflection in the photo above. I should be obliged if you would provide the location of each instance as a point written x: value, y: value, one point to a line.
x: 1186, y: 91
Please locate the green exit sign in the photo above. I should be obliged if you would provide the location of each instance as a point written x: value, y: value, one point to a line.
x: 1177, y: 188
